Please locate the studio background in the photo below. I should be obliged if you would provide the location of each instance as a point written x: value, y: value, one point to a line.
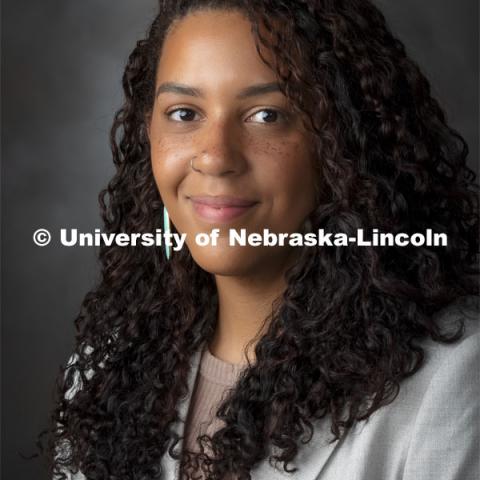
x: 61, y: 63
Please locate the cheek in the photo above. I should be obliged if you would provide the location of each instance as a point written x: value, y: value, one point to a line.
x: 168, y: 164
x: 286, y: 167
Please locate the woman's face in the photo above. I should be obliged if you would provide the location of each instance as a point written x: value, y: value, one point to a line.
x: 217, y: 106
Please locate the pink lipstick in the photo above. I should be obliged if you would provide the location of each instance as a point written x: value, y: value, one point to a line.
x: 220, y: 208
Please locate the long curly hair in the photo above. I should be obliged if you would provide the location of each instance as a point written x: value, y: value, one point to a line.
x: 346, y: 330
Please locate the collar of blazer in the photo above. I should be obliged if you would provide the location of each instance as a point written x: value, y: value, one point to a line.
x: 309, y: 462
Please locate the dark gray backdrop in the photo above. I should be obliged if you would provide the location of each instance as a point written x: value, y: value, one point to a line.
x: 62, y: 62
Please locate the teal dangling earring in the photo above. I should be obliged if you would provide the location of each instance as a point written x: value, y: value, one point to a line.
x: 166, y: 229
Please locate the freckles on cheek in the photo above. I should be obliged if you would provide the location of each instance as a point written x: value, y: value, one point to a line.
x: 167, y: 154
x: 279, y: 159
x: 267, y: 153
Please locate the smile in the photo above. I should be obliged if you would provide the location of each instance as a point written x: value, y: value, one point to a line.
x: 220, y: 208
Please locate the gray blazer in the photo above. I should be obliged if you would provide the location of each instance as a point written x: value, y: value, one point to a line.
x: 431, y: 431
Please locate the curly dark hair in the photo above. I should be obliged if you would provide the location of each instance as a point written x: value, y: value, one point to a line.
x: 345, y: 332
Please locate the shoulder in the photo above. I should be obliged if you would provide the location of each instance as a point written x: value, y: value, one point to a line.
x: 445, y: 434
x: 431, y: 429
x: 449, y: 369
x: 443, y: 359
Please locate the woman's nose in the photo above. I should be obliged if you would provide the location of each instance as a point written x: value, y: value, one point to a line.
x: 220, y: 150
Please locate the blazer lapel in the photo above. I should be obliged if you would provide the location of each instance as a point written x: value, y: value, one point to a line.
x: 309, y: 461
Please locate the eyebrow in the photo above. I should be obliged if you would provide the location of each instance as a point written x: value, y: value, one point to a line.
x: 252, y: 91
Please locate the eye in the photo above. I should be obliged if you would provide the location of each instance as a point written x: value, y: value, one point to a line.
x: 267, y: 115
x: 184, y: 115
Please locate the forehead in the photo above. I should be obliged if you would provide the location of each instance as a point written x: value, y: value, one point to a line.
x: 211, y: 44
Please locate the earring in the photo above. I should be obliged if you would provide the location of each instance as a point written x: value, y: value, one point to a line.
x: 166, y: 229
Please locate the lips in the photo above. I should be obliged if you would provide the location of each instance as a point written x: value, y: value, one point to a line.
x: 220, y: 201
x: 220, y: 208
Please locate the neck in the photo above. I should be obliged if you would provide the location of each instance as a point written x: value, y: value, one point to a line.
x: 244, y: 305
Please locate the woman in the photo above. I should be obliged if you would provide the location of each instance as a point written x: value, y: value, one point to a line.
x: 347, y: 362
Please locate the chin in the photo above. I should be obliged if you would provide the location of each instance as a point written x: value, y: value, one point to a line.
x: 226, y: 262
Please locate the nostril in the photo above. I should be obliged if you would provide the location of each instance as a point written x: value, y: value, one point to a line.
x: 191, y: 164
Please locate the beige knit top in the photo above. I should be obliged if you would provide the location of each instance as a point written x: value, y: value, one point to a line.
x: 214, y: 378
